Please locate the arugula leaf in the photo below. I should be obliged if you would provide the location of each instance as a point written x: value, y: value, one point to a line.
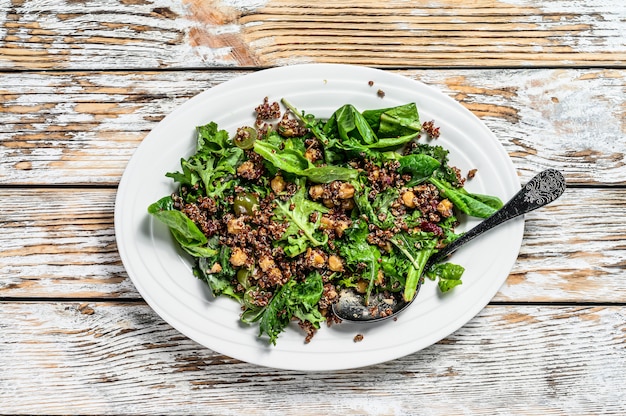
x: 213, y: 165
x: 184, y: 230
x: 396, y: 269
x: 212, y: 140
x: 288, y: 160
x: 444, y: 171
x: 296, y: 211
x: 417, y: 248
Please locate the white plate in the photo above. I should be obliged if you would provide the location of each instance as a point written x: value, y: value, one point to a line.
x: 162, y: 274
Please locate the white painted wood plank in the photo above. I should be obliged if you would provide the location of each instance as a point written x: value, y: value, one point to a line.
x: 107, y: 358
x: 114, y: 34
x: 82, y: 128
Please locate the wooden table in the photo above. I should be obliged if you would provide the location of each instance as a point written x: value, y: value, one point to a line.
x: 83, y: 82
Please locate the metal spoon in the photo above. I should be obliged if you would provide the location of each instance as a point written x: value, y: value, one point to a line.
x: 544, y: 188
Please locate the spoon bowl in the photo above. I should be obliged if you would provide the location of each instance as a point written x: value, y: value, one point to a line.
x: 541, y: 190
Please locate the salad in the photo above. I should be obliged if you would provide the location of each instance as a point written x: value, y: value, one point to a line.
x: 282, y: 215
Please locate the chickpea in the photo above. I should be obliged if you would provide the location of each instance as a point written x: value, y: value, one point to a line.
x: 361, y: 286
x: 346, y: 191
x: 315, y: 258
x: 380, y: 278
x: 277, y: 184
x: 347, y: 204
x: 275, y: 274
x: 340, y: 227
x: 388, y: 247
x: 335, y: 264
x: 445, y: 208
x: 408, y: 199
x: 237, y: 257
x: 316, y: 191
x: 235, y: 226
x: 328, y: 203
x: 245, y: 168
x: 326, y: 223
x: 331, y: 293
x: 216, y: 268
x: 312, y: 154
x: 266, y: 263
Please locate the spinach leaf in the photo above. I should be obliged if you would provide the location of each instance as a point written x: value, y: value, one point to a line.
x: 420, y: 166
x: 327, y: 174
x: 397, y: 121
x: 380, y: 129
x: 292, y: 161
x: 184, y: 230
x: 449, y: 275
x: 462, y: 200
x: 352, y: 125
x: 490, y: 200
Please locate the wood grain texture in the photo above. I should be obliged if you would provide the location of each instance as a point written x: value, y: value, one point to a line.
x: 111, y: 358
x: 61, y: 243
x: 110, y: 34
x: 82, y: 127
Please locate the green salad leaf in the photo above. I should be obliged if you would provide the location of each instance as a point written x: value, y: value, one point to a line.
x: 355, y: 249
x: 292, y: 161
x: 293, y: 299
x: 185, y: 231
x: 449, y: 275
x: 301, y: 232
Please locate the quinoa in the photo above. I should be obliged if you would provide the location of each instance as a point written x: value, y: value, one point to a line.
x: 430, y: 129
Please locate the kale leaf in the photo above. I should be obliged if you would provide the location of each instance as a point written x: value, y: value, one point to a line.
x: 294, y: 298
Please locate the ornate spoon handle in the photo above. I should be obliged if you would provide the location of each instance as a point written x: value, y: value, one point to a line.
x: 542, y: 189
